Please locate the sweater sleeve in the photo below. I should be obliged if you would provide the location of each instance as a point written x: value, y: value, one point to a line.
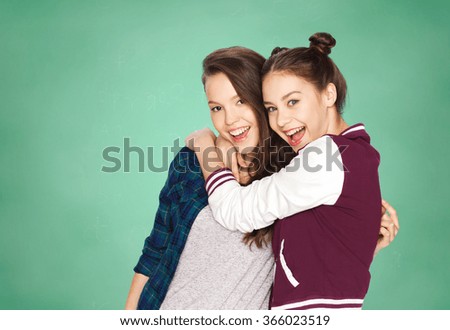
x: 314, y: 177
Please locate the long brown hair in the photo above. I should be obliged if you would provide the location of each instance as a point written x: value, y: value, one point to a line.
x: 243, y: 66
x: 313, y: 64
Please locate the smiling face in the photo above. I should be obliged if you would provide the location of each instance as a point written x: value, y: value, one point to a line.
x: 231, y: 116
x: 298, y: 112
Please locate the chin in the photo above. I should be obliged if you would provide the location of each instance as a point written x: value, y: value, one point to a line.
x: 245, y: 148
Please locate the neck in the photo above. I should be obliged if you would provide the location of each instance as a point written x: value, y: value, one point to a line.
x: 336, y: 123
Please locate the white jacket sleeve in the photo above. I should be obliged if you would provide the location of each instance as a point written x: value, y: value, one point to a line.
x: 314, y: 177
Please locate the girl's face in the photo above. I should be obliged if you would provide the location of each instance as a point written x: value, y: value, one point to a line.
x: 233, y: 118
x: 297, y: 110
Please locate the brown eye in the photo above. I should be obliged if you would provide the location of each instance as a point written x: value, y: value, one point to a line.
x: 216, y: 108
x: 271, y: 109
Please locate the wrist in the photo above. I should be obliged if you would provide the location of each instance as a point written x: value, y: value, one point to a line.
x: 209, y: 160
x: 204, y: 145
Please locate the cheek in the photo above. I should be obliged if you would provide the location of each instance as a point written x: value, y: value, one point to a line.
x: 273, y: 122
x: 320, y: 118
x: 255, y: 135
x: 312, y: 115
x: 248, y: 114
x: 316, y: 124
x: 218, y: 120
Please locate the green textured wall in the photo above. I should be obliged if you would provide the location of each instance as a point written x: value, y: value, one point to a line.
x: 79, y: 76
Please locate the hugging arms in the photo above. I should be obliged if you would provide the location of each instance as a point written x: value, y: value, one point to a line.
x: 242, y: 117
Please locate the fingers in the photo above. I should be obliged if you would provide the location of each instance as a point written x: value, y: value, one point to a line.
x: 392, y: 212
x: 226, y: 151
x: 384, y: 238
x: 388, y: 225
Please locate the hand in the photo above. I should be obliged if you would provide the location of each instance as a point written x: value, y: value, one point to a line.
x: 228, y: 154
x: 202, y: 142
x: 389, y: 226
x: 202, y: 138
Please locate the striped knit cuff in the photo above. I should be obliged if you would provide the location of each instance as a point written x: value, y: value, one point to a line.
x: 217, y: 178
x: 323, y: 303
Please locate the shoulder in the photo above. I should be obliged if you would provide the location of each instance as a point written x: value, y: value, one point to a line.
x: 322, y: 155
x: 185, y: 160
x: 322, y: 142
x: 320, y: 148
x: 185, y: 169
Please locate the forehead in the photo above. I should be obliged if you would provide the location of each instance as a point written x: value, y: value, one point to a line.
x: 278, y: 84
x: 218, y: 87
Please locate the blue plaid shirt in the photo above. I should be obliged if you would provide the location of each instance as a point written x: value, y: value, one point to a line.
x: 181, y: 199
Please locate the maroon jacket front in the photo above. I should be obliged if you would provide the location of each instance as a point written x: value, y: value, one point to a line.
x: 328, y: 203
x: 323, y: 255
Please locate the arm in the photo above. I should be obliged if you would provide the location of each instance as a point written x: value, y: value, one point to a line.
x: 203, y: 143
x: 308, y: 181
x: 137, y: 284
x: 156, y: 243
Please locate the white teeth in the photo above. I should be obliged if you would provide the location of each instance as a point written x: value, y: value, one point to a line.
x: 239, y: 131
x: 295, y: 130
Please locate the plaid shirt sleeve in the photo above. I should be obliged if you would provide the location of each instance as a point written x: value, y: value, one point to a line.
x: 181, y: 199
x: 156, y: 243
x: 182, y: 171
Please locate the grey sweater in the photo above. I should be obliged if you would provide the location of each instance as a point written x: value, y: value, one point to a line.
x: 218, y: 271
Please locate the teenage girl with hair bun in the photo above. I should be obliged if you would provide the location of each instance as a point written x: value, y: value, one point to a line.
x: 328, y: 198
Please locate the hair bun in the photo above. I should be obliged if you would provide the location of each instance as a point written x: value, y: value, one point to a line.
x: 276, y: 50
x: 323, y: 42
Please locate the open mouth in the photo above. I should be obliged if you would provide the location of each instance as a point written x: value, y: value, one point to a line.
x: 295, y: 135
x: 240, y: 133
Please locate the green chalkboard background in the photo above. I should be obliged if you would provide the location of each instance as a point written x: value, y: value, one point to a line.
x: 77, y: 77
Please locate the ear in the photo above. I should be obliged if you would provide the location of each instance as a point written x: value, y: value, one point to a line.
x: 330, y: 95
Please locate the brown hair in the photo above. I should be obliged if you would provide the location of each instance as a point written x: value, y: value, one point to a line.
x: 243, y: 66
x: 312, y: 64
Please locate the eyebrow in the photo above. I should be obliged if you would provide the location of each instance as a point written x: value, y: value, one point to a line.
x: 289, y: 94
x: 234, y: 97
x: 285, y: 96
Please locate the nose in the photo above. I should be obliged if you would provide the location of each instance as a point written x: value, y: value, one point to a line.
x: 282, y: 117
x: 231, y: 116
